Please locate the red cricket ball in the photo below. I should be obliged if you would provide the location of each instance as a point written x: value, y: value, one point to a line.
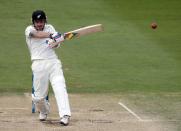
x: 154, y: 25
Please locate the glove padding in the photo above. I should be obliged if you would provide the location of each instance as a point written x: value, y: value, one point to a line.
x: 57, y: 37
x: 53, y: 44
x: 56, y: 40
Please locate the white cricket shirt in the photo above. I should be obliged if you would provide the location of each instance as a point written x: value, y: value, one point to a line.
x: 39, y: 48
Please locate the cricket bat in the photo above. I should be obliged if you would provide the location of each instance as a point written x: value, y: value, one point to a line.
x: 78, y: 33
x: 83, y: 31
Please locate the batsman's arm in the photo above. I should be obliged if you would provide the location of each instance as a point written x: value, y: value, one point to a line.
x: 40, y: 34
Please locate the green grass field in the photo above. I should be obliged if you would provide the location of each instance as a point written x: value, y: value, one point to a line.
x: 128, y: 57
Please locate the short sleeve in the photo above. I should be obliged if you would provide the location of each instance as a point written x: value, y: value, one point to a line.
x: 28, y: 30
x: 51, y: 29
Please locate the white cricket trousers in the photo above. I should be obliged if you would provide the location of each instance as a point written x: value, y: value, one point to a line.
x: 43, y: 72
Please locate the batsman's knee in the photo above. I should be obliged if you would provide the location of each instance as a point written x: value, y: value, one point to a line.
x: 37, y: 99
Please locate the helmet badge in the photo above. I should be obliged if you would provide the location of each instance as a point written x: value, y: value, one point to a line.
x: 38, y: 16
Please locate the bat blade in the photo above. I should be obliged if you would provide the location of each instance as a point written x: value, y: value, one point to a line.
x: 83, y: 31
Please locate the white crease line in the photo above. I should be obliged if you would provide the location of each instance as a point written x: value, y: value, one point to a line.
x: 130, y: 111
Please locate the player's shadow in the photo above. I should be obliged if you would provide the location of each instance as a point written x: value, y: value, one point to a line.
x: 56, y: 122
x: 52, y: 122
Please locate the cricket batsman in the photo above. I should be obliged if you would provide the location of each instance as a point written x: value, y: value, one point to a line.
x: 46, y: 67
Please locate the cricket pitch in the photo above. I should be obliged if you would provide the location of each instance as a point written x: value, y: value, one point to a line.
x: 90, y: 112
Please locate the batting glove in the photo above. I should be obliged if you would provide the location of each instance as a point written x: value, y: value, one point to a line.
x: 57, y: 37
x: 53, y: 44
